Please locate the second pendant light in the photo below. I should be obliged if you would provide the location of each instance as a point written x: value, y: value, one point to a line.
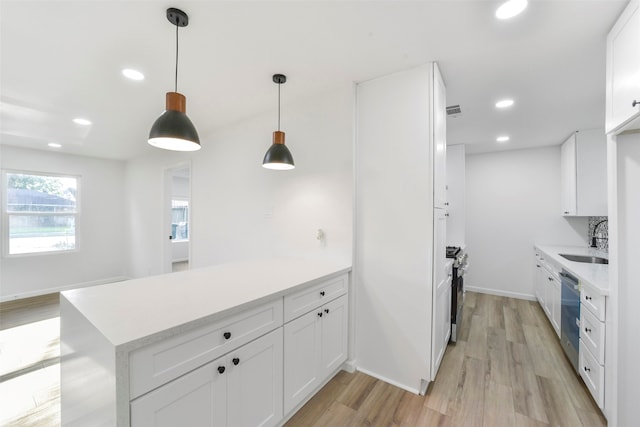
x: 278, y: 156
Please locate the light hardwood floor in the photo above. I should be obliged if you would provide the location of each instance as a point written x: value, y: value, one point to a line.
x: 507, y: 369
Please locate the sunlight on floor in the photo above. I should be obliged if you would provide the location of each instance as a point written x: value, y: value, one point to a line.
x: 30, y: 374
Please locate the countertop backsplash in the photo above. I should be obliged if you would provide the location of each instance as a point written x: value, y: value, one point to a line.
x: 603, y: 232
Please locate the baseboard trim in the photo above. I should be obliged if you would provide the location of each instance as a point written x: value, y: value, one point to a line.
x: 389, y: 381
x: 55, y: 289
x: 501, y: 293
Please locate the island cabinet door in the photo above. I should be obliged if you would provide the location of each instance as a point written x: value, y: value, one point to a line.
x: 334, y: 335
x: 197, y: 399
x: 254, y: 384
x: 302, y: 353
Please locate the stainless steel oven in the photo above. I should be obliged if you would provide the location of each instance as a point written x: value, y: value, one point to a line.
x: 457, y: 288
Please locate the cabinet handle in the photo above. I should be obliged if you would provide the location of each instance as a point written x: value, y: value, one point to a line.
x: 538, y: 265
x: 221, y: 369
x: 320, y: 314
x: 587, y: 297
x: 587, y: 369
x: 236, y: 361
x: 446, y: 203
x: 326, y: 310
x: 550, y: 279
x: 321, y: 293
x: 447, y: 214
x: 226, y: 335
x: 566, y: 212
x: 634, y: 103
x: 587, y: 330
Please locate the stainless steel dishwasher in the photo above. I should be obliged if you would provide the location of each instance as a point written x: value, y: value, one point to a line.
x: 570, y: 317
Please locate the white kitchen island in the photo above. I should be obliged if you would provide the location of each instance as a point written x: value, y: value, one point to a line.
x: 203, y: 344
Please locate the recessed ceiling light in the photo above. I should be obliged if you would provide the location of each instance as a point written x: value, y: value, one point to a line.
x: 502, y: 138
x: 510, y: 9
x: 81, y: 121
x: 504, y: 103
x: 54, y: 145
x: 132, y: 74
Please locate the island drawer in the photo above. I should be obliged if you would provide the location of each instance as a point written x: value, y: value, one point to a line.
x: 593, y: 301
x: 161, y: 362
x: 301, y: 302
x: 592, y: 334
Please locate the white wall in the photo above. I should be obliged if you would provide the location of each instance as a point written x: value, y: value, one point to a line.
x: 101, y: 234
x: 239, y: 210
x: 512, y: 203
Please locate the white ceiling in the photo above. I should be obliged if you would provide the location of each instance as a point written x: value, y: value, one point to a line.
x: 62, y: 59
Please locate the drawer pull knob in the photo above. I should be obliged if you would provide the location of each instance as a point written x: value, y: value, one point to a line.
x: 634, y: 103
x: 236, y: 361
x: 587, y: 330
x: 221, y: 369
x: 326, y: 310
x: 550, y: 279
x: 587, y: 297
x: 587, y: 369
x: 320, y: 314
x: 321, y: 293
x: 227, y: 335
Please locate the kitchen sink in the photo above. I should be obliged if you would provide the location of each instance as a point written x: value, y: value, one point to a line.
x: 585, y: 258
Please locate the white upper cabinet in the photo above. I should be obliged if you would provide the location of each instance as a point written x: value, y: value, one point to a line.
x: 568, y: 176
x: 439, y: 140
x: 623, y: 71
x: 584, y: 174
x: 456, y: 195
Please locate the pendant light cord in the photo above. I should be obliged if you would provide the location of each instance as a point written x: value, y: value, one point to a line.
x: 279, y: 84
x: 176, y: 80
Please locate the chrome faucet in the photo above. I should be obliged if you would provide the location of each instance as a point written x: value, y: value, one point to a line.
x: 595, y: 239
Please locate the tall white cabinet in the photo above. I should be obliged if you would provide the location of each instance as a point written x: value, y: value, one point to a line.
x: 400, y: 184
x: 455, y: 195
x: 622, y: 371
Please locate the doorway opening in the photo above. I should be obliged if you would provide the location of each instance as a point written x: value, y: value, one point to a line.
x: 178, y: 218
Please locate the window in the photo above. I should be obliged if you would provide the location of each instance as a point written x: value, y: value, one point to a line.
x: 179, y: 220
x: 41, y: 213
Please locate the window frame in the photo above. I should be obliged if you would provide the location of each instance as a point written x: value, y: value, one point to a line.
x: 6, y: 215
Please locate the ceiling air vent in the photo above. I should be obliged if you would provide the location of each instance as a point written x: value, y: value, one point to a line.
x: 454, y: 110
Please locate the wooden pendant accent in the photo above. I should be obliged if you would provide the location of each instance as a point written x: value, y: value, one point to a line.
x: 176, y: 102
x: 278, y: 137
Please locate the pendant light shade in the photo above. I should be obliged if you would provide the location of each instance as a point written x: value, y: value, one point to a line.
x: 278, y: 156
x: 173, y: 130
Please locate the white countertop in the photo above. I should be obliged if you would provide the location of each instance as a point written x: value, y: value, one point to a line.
x: 597, y: 275
x: 125, y: 312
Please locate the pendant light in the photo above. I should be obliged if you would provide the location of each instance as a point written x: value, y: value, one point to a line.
x: 173, y: 130
x: 278, y: 156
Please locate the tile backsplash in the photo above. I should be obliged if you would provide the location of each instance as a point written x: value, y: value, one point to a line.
x: 602, y: 232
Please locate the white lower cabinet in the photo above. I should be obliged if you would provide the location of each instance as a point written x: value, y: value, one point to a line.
x: 441, y: 323
x: 592, y: 341
x: 241, y: 389
x: 548, y: 290
x: 201, y: 394
x: 315, y: 346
